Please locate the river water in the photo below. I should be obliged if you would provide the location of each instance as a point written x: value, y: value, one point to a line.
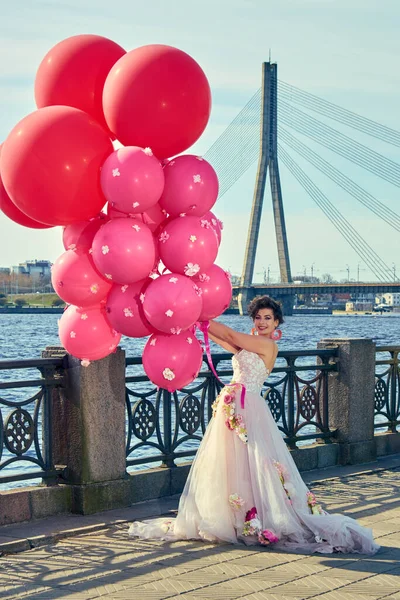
x: 25, y: 336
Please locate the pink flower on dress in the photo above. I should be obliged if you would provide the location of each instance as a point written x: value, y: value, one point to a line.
x: 135, y: 204
x: 94, y: 288
x: 228, y: 398
x: 153, y: 342
x: 266, y: 537
x: 124, y: 288
x: 72, y: 334
x: 251, y: 514
x: 85, y: 362
x: 136, y: 227
x: 197, y: 179
x: 84, y: 316
x: 198, y: 290
x: 148, y: 151
x: 169, y: 312
x: 173, y: 280
x: 142, y: 298
x: 236, y: 502
x: 182, y: 214
x: 128, y: 312
x: 189, y: 340
x: 105, y: 249
x: 192, y: 238
x: 116, y: 173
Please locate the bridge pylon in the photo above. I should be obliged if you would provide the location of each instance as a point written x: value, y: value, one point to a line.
x: 268, y: 158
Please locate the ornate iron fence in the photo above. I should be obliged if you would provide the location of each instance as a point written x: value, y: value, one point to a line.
x: 25, y: 418
x: 387, y: 388
x: 166, y: 427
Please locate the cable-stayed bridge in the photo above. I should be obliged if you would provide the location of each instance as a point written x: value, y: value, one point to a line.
x: 256, y: 133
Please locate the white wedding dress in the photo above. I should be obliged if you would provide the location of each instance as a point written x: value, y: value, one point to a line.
x: 244, y: 486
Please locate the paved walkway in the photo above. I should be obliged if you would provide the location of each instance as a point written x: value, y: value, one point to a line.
x: 92, y: 557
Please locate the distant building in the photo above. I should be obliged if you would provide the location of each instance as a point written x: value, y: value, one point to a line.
x: 390, y: 299
x: 5, y: 270
x: 33, y: 268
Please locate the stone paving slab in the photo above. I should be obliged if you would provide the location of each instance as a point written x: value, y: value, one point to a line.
x: 104, y: 563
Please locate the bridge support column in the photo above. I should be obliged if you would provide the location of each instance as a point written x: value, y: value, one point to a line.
x: 245, y: 296
x: 287, y: 304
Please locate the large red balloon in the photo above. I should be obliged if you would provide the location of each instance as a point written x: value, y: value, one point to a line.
x: 157, y: 96
x: 8, y: 207
x: 50, y: 164
x: 12, y: 212
x: 73, y: 73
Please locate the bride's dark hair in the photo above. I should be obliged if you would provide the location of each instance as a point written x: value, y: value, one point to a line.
x: 260, y: 302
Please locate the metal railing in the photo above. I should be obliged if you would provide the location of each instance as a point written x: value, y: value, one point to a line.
x: 166, y: 427
x: 387, y: 388
x: 26, y: 418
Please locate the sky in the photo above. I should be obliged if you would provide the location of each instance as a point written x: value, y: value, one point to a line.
x: 345, y: 51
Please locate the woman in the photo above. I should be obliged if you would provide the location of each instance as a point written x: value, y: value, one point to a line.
x: 243, y: 486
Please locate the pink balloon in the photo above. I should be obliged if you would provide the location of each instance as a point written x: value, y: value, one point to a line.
x: 216, y: 224
x: 191, y: 186
x: 172, y: 361
x: 124, y: 251
x: 132, y: 179
x: 153, y: 217
x: 86, y: 332
x: 125, y: 311
x: 79, y: 236
x: 76, y: 280
x: 216, y: 288
x: 188, y: 245
x: 172, y: 303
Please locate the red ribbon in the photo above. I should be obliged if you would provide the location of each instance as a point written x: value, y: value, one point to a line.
x: 204, y: 327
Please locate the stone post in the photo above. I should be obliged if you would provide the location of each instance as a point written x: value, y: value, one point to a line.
x: 88, y: 427
x: 351, y: 398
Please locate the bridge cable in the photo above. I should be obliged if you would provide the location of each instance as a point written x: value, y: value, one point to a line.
x: 364, y: 197
x: 361, y: 247
x: 337, y: 113
x: 340, y: 144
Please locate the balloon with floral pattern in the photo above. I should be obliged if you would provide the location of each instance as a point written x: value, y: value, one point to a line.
x: 172, y: 303
x: 191, y: 186
x: 132, y: 179
x: 86, y: 332
x: 76, y: 280
x: 188, y: 245
x: 172, y: 361
x: 124, y: 251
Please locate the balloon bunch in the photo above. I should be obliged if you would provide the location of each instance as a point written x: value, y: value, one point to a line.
x: 145, y: 266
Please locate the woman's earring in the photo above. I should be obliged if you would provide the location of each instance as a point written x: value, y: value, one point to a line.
x: 276, y: 334
x: 254, y: 331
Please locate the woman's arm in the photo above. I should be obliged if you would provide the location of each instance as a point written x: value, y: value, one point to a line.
x: 264, y: 347
x: 225, y: 345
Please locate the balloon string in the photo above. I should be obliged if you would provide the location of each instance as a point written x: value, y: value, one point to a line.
x: 204, y: 327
